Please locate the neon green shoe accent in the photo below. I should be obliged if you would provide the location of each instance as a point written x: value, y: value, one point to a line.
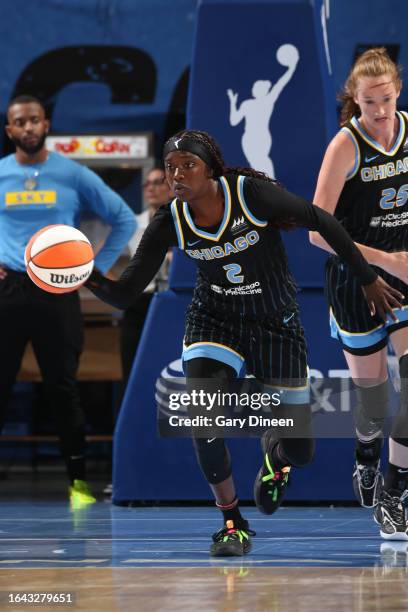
x: 80, y: 494
x: 241, y: 535
x: 275, y: 476
x: 271, y: 474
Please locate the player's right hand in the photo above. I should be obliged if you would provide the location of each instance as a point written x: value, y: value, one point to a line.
x: 3, y: 273
x: 381, y: 299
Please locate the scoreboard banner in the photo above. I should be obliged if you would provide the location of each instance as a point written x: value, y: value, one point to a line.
x: 102, y: 146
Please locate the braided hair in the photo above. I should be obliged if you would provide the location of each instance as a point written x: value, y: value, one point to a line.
x: 215, y: 161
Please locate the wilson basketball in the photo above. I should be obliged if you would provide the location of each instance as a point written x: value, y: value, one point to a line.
x: 59, y: 258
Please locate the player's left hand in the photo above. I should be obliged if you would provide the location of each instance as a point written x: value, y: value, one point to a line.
x: 382, y: 298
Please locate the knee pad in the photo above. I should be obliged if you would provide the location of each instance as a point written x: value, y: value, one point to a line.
x: 371, y: 411
x: 214, y: 459
x: 399, y: 430
x: 297, y: 442
x: 300, y: 417
x: 298, y: 451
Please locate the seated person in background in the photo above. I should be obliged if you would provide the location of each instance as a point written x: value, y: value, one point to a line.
x: 156, y: 192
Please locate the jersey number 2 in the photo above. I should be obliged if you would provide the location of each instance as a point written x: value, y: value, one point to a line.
x: 233, y: 273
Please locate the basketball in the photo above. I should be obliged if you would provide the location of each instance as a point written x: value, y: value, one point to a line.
x: 59, y: 258
x: 287, y: 55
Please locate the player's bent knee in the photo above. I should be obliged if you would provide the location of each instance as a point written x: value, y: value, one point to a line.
x: 298, y: 451
x: 298, y: 419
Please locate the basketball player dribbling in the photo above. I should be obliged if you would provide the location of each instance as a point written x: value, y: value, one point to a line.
x: 227, y: 220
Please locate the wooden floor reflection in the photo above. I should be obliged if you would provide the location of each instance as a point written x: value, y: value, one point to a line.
x: 218, y: 589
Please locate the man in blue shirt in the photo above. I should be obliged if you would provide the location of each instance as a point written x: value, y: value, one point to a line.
x: 39, y: 188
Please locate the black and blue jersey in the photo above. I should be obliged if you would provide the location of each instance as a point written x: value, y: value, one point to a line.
x: 373, y: 208
x: 242, y: 261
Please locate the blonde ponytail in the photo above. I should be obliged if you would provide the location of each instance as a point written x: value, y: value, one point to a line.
x: 372, y: 63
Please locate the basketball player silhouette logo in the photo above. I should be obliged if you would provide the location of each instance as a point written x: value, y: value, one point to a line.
x: 257, y: 112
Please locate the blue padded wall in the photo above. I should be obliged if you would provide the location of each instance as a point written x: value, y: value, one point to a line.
x: 283, y: 126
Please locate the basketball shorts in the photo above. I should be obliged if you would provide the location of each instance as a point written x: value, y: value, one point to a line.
x: 272, y: 348
x: 351, y: 322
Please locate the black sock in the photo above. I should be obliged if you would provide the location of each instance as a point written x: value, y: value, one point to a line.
x: 233, y: 514
x: 76, y: 468
x: 394, y: 479
x: 369, y: 452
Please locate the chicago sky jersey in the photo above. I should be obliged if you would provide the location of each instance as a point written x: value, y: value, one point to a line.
x: 373, y: 205
x: 242, y: 263
x: 373, y: 208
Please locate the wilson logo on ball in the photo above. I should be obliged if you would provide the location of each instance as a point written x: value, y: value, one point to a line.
x: 60, y: 279
x: 59, y: 258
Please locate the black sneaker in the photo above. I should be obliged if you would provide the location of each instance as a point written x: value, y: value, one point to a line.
x: 367, y: 483
x: 270, y: 484
x: 390, y: 515
x: 231, y: 542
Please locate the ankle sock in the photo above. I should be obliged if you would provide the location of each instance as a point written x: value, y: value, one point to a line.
x: 231, y: 512
x: 369, y: 452
x: 395, y: 479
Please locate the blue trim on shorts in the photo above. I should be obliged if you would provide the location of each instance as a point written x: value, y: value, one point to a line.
x: 219, y: 353
x: 362, y: 340
x: 290, y: 396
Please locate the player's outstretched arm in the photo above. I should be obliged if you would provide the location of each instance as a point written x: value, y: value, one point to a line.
x: 144, y: 265
x: 268, y: 201
x: 381, y: 298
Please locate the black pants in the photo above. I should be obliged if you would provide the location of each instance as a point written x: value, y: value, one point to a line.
x: 54, y: 325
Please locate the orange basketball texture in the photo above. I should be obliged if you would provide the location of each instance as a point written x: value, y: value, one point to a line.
x: 59, y: 258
